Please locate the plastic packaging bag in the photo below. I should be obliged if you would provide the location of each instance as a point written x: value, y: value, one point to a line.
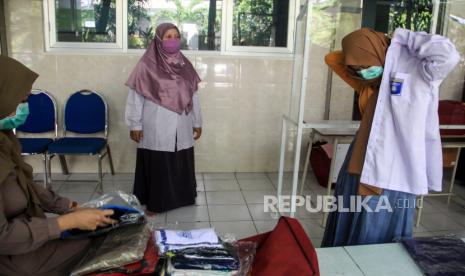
x: 120, y: 247
x: 127, y: 211
x: 246, y: 251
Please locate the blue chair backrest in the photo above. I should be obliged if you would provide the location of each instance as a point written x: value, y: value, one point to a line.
x: 85, y: 113
x: 42, y: 113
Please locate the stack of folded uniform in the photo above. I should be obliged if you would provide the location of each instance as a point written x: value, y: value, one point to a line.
x: 196, y: 252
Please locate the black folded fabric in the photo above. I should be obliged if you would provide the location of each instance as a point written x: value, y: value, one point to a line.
x: 438, y: 256
x: 207, y: 259
x: 183, y: 262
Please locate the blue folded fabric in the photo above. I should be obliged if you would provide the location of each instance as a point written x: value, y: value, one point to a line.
x: 123, y: 214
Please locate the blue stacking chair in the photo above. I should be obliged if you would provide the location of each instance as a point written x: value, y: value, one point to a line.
x: 86, y: 116
x: 42, y: 119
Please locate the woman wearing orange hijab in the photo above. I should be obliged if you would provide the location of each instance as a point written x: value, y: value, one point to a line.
x: 360, y: 64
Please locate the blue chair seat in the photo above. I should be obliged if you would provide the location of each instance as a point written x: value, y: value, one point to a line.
x: 74, y: 145
x: 35, y: 145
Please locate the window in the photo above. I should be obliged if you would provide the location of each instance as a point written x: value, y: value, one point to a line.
x: 260, y: 23
x: 198, y: 20
x: 84, y: 23
x: 386, y: 16
x: 214, y: 25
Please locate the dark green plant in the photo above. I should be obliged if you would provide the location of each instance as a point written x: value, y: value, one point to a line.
x: 414, y: 15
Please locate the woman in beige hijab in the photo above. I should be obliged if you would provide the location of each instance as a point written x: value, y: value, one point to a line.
x: 29, y: 241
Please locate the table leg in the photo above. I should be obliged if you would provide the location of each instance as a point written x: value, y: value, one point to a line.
x: 420, y: 210
x: 454, y: 172
x: 307, y: 160
x: 330, y: 177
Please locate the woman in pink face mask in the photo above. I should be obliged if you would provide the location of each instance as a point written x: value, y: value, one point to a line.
x: 164, y: 118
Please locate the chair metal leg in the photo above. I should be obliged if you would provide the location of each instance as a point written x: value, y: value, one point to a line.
x: 110, y: 159
x: 49, y: 167
x: 100, y: 175
x: 64, y: 166
x: 45, y: 171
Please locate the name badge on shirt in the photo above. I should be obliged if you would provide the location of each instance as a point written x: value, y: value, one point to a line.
x: 396, y: 86
x: 397, y: 81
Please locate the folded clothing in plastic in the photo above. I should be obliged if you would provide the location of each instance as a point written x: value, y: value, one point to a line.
x: 175, y: 240
x: 146, y: 266
x: 123, y: 215
x: 120, y: 247
x: 127, y: 211
x: 207, y: 259
x: 172, y: 271
x: 436, y: 256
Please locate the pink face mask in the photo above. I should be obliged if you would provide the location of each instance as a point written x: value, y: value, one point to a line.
x: 171, y: 46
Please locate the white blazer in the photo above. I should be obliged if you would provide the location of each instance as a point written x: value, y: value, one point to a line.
x: 404, y: 147
x: 164, y: 130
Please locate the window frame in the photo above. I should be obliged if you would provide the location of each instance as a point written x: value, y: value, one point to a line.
x: 229, y: 47
x: 51, y: 42
x: 121, y: 44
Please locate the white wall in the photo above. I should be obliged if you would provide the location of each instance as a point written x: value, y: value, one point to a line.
x: 242, y: 97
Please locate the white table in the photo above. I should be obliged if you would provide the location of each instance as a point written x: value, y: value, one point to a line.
x: 378, y: 259
x: 458, y: 144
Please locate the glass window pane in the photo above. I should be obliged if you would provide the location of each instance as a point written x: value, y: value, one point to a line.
x: 85, y: 20
x: 260, y: 23
x: 198, y: 20
x: 413, y: 15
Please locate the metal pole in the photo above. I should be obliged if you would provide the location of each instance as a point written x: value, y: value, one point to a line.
x: 3, y: 43
x: 300, y: 121
x: 281, y: 160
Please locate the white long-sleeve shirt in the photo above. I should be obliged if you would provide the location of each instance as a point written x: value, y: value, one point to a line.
x: 163, y: 129
x: 404, y: 147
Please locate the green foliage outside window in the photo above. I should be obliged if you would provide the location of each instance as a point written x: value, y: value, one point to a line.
x: 415, y: 15
x: 194, y: 12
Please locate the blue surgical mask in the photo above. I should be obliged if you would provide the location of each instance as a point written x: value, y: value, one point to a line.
x: 22, y: 111
x: 371, y: 72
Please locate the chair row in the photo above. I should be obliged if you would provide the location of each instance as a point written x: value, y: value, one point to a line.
x: 85, y: 130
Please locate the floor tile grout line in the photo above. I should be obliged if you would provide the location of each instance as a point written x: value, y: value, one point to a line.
x: 247, y: 206
x: 206, y: 200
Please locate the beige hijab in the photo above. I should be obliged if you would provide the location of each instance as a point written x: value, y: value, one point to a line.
x: 15, y: 84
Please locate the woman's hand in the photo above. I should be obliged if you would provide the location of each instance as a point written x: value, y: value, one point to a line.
x: 86, y: 219
x: 197, y: 132
x: 136, y: 135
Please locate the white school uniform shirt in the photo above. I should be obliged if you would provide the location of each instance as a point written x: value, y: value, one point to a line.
x: 404, y: 147
x: 163, y: 129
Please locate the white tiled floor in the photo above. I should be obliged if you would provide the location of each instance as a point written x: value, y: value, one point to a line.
x: 232, y: 203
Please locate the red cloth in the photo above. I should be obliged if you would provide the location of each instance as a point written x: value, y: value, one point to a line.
x: 320, y: 160
x: 451, y: 113
x: 286, y: 250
